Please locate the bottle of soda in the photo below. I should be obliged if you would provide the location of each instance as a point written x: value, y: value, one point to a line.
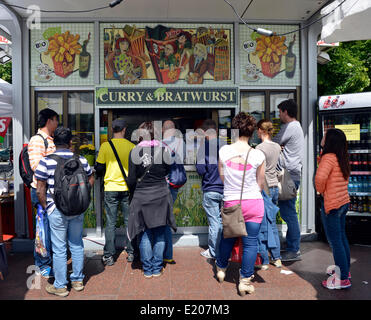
x: 356, y: 162
x: 360, y: 204
x: 355, y: 204
x: 365, y: 204
x: 364, y: 161
x: 351, y: 162
x: 350, y: 185
x: 351, y: 203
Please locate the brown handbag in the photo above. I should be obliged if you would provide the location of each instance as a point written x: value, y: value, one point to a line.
x: 232, y: 218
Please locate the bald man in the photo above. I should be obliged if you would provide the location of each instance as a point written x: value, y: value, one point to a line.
x: 176, y: 144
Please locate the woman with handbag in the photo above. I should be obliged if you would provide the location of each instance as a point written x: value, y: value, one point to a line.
x: 151, y: 208
x: 271, y: 151
x: 331, y: 181
x: 241, y: 169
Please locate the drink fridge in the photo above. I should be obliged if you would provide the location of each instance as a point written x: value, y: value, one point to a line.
x: 352, y: 114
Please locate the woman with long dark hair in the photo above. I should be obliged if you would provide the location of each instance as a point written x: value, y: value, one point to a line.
x: 331, y: 181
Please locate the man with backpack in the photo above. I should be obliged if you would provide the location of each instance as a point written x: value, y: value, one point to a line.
x: 212, y: 186
x: 41, y: 145
x: 64, y: 183
x: 113, y: 159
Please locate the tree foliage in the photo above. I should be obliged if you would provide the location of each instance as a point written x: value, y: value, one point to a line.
x: 6, y: 72
x: 349, y: 70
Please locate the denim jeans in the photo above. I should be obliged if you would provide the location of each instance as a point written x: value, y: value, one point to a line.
x: 323, y: 216
x: 65, y: 229
x: 168, y: 253
x: 290, y: 216
x: 112, y: 200
x: 40, y: 261
x: 263, y: 248
x: 152, y: 245
x: 249, y: 247
x: 334, y: 224
x: 212, y: 203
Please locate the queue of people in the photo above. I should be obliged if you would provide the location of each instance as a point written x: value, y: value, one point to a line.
x: 136, y: 178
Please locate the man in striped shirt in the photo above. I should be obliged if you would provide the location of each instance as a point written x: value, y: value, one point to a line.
x: 63, y: 228
x: 41, y: 145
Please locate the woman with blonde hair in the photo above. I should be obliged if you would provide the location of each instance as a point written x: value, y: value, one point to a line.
x: 232, y: 169
x: 271, y: 151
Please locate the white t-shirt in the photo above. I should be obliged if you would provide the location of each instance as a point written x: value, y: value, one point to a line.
x: 233, y: 173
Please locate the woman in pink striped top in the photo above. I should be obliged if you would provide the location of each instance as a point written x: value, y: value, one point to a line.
x: 231, y: 168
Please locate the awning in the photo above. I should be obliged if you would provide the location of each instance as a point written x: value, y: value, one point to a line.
x: 350, y: 21
x: 6, y: 107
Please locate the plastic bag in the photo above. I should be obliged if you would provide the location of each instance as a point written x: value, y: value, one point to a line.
x: 236, y: 255
x: 40, y: 244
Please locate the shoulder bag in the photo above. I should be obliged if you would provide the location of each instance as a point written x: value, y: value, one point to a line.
x: 286, y: 186
x: 232, y: 218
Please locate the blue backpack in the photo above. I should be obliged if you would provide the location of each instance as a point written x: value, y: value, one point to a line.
x: 177, y: 176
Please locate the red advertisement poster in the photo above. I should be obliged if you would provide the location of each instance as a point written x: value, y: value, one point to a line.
x: 4, y: 123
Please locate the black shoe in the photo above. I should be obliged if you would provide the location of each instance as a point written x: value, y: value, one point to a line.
x: 130, y: 257
x: 108, y: 261
x: 291, y: 256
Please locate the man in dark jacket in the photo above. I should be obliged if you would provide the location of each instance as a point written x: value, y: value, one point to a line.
x: 212, y: 186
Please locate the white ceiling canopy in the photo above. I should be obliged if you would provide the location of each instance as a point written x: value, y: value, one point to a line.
x: 208, y: 10
x: 351, y: 20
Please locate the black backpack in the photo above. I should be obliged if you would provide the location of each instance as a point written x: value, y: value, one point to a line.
x: 25, y: 170
x: 71, y: 186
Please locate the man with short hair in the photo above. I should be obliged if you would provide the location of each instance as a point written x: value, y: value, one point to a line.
x: 41, y: 145
x: 63, y: 229
x: 212, y: 186
x: 291, y: 139
x: 116, y: 191
x: 176, y: 144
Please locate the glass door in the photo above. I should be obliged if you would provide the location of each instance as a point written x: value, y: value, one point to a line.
x: 255, y: 104
x: 275, y: 99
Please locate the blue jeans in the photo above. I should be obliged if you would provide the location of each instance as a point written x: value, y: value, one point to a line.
x: 65, y: 229
x: 40, y: 261
x: 263, y: 249
x: 212, y: 203
x: 152, y: 245
x: 290, y: 216
x: 168, y: 253
x: 112, y: 201
x: 334, y: 224
x: 249, y: 253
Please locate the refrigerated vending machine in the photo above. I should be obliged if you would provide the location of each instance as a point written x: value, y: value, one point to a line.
x: 352, y: 114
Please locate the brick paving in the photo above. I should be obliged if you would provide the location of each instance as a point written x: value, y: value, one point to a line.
x: 192, y: 278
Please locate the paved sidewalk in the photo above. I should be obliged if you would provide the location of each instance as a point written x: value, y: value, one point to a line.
x: 192, y: 278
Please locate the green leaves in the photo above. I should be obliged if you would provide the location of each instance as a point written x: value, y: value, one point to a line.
x: 51, y: 32
x: 348, y: 71
x: 6, y: 71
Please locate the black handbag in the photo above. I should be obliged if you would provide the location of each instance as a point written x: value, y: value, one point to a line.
x: 232, y: 217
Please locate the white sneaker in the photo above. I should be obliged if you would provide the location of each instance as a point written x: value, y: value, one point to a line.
x: 206, y: 254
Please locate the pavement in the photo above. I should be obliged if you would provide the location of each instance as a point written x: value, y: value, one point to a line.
x: 193, y: 278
